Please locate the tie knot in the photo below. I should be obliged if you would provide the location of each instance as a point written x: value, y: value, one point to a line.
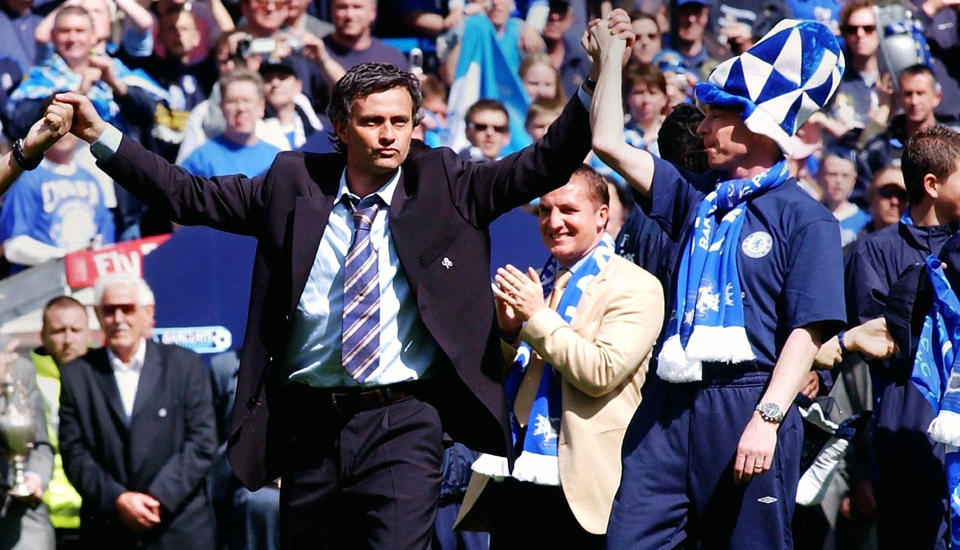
x: 563, y: 277
x: 363, y: 216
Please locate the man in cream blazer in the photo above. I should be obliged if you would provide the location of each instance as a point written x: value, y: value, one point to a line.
x: 587, y: 324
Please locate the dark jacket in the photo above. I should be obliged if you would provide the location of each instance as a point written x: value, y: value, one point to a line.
x: 164, y: 450
x: 438, y: 219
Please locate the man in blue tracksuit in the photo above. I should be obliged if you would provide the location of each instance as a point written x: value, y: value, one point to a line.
x: 711, y: 457
x: 910, y: 485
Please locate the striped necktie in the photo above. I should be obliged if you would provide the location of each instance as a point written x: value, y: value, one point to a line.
x: 360, y: 349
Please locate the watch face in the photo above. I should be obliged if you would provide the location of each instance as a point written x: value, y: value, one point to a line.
x: 771, y: 411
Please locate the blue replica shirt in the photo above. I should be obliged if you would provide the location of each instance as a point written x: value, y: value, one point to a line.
x: 58, y: 205
x: 789, y: 256
x: 852, y: 225
x: 220, y: 156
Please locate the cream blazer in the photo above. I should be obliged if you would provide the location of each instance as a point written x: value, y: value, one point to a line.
x: 602, y: 358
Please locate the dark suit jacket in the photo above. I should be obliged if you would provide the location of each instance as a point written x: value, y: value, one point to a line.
x: 440, y: 211
x: 164, y: 451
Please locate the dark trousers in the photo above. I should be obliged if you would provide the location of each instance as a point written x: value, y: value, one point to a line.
x: 527, y: 516
x: 677, y: 484
x: 370, y: 479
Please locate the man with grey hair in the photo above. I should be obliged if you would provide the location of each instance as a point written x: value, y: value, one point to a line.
x: 137, y: 431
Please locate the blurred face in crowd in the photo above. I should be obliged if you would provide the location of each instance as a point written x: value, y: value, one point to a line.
x: 64, y: 333
x: 887, y: 197
x: 836, y: 177
x: 646, y: 103
x: 647, y: 43
x: 179, y: 34
x: 124, y: 320
x: 918, y: 95
x: 436, y: 104
x: 242, y: 107
x: 490, y: 131
x: 860, y: 33
x: 692, y: 22
x: 539, y: 124
x: 17, y: 6
x: 280, y: 88
x: 377, y: 135
x: 499, y: 12
x: 540, y: 81
x: 264, y: 17
x: 352, y: 18
x: 72, y: 38
x: 296, y: 8
x: 571, y: 222
x: 558, y: 22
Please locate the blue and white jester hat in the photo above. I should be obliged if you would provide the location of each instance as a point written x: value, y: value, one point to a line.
x: 783, y: 79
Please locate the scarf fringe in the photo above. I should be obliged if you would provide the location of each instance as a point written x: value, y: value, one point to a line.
x: 706, y: 344
x: 530, y: 467
x: 945, y: 428
x: 491, y: 465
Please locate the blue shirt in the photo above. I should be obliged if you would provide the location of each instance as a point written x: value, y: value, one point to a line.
x: 220, y: 156
x: 789, y: 257
x: 58, y: 205
x: 313, y: 353
x: 852, y: 225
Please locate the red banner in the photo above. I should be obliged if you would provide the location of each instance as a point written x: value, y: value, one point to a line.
x: 85, y: 266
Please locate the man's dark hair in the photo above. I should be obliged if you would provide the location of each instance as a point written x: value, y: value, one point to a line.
x: 934, y: 150
x: 679, y: 142
x: 596, y: 185
x: 920, y: 69
x: 366, y: 79
x: 852, y: 6
x: 62, y: 302
x: 485, y: 105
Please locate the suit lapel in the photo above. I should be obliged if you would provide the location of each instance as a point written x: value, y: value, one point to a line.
x: 103, y: 374
x: 149, y: 383
x: 310, y: 215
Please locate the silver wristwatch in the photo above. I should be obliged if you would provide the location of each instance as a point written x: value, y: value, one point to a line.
x: 770, y: 412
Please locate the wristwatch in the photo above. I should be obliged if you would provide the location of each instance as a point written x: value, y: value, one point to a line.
x: 22, y: 160
x: 770, y: 412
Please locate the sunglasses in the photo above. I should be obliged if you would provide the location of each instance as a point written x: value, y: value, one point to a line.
x: 109, y: 310
x: 852, y: 29
x: 480, y: 127
x: 891, y: 191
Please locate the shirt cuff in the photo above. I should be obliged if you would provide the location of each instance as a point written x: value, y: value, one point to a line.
x: 585, y: 97
x: 108, y: 144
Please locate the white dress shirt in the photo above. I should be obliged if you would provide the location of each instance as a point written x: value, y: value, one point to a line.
x: 127, y: 375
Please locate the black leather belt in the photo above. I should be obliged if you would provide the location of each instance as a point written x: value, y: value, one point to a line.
x: 352, y: 400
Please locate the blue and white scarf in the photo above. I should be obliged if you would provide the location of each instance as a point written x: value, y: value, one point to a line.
x: 537, y: 462
x: 936, y: 374
x: 54, y: 75
x: 707, y: 320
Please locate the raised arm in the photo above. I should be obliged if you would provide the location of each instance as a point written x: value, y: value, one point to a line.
x: 44, y: 133
x: 228, y: 203
x: 606, y: 111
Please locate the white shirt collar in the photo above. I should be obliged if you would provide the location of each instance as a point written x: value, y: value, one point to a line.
x: 385, y: 192
x: 136, y: 364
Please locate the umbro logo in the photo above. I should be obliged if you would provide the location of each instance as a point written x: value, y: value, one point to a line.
x: 767, y: 500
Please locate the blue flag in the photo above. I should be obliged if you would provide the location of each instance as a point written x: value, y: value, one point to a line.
x: 487, y: 69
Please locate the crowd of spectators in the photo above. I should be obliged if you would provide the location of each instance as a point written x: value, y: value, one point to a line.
x: 223, y: 86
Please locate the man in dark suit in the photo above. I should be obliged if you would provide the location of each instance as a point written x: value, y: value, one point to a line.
x: 137, y: 431
x: 356, y: 434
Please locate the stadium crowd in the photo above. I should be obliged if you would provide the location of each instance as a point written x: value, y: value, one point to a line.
x: 134, y: 451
